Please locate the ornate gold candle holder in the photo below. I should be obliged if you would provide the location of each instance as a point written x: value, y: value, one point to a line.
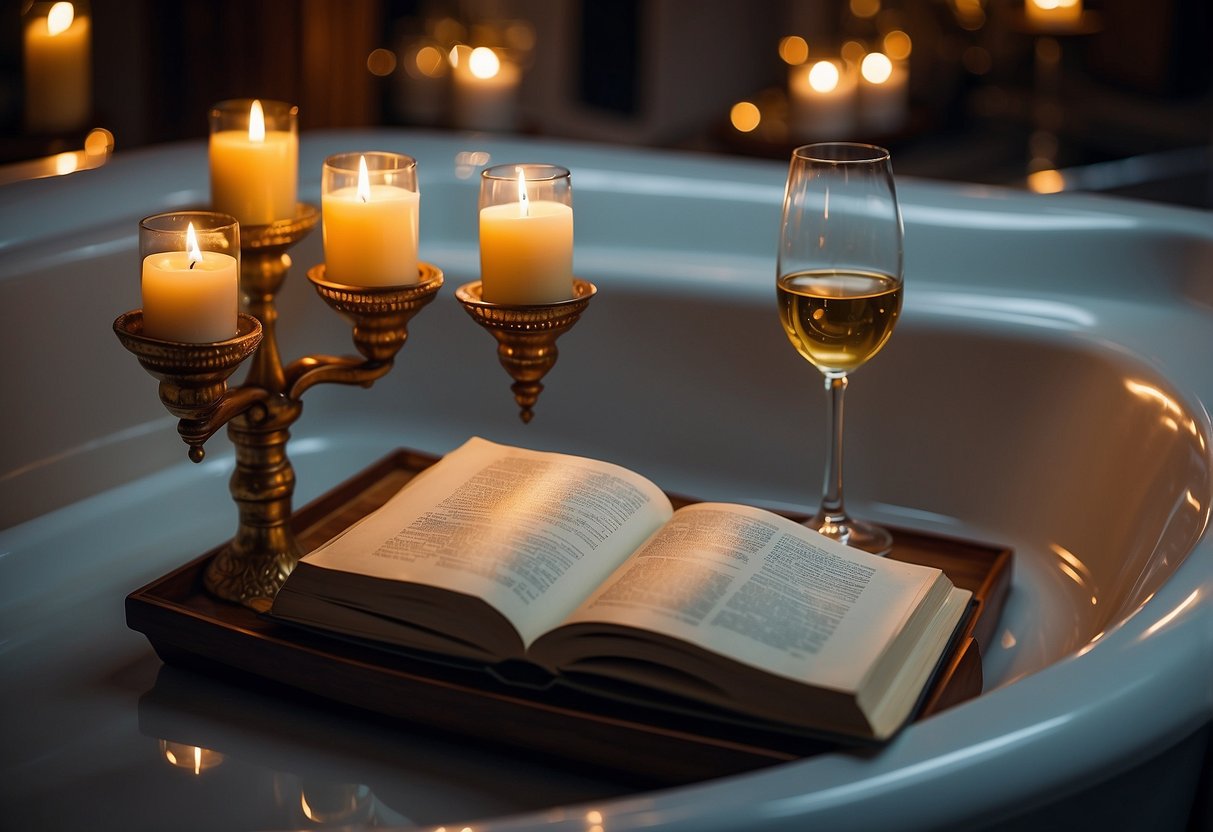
x: 526, y: 335
x: 251, y: 567
x: 193, y: 377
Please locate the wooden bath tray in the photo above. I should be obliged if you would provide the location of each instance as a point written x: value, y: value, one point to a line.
x: 188, y: 627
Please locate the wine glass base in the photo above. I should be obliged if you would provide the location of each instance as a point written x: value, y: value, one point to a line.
x: 854, y: 533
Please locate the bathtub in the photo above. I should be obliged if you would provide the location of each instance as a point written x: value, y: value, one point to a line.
x: 1046, y: 389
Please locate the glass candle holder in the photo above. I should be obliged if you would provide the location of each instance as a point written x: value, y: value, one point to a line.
x: 370, y: 209
x: 57, y: 56
x: 191, y: 276
x: 254, y: 154
x: 526, y: 234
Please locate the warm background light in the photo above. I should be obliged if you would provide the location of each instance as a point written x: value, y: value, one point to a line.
x: 865, y: 8
x: 1047, y: 182
x: 853, y: 51
x: 745, y: 116
x: 66, y: 163
x: 381, y: 62
x: 823, y: 77
x: 483, y: 62
x: 794, y: 50
x: 876, y: 68
x: 969, y: 14
x: 429, y: 62
x: 99, y: 142
x: 897, y: 45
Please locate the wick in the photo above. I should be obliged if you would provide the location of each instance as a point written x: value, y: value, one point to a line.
x: 192, y: 262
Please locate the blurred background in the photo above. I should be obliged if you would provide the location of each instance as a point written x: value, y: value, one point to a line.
x: 1050, y: 95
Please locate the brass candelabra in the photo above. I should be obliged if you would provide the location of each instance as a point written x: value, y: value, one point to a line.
x: 251, y: 567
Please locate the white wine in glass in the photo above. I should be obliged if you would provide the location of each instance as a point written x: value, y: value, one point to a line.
x: 839, y: 287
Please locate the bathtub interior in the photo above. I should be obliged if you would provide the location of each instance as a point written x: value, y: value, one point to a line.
x: 1004, y: 428
x: 998, y: 411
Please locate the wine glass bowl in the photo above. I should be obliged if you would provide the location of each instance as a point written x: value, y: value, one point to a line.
x: 838, y: 320
x: 839, y: 288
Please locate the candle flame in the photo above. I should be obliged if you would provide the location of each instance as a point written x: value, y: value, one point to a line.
x: 524, y: 208
x: 823, y: 77
x: 191, y: 246
x: 364, y: 181
x: 59, y: 18
x: 256, y: 122
x: 484, y: 63
x: 197, y: 760
x: 876, y: 68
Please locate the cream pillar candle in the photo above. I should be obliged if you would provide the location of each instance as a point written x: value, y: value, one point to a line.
x: 58, y: 70
x: 883, y: 93
x: 1053, y: 15
x: 254, y: 165
x: 370, y: 228
x: 192, y: 295
x: 526, y: 245
x: 485, y: 95
x: 822, y: 100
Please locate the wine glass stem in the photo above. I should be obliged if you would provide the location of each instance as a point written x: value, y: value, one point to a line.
x: 832, y: 511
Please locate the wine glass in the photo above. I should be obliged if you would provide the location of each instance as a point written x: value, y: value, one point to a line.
x: 839, y: 285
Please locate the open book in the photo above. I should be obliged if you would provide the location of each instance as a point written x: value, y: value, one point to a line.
x: 582, y: 568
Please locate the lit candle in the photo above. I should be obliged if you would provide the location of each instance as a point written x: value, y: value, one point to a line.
x: 1053, y: 15
x: 883, y: 93
x: 254, y: 165
x: 486, y: 90
x: 58, y: 70
x: 822, y: 100
x: 190, y: 296
x: 371, y: 225
x: 526, y: 244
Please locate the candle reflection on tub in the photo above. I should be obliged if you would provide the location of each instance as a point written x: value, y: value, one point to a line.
x: 190, y: 757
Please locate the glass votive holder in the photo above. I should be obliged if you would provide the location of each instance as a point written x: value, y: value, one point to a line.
x: 526, y: 234
x: 370, y: 211
x: 191, y: 276
x: 254, y: 156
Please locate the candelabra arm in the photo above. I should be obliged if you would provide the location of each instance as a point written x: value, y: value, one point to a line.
x: 195, y: 432
x: 311, y: 370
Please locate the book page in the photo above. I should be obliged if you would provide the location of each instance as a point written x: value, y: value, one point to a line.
x: 758, y: 587
x: 529, y: 532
